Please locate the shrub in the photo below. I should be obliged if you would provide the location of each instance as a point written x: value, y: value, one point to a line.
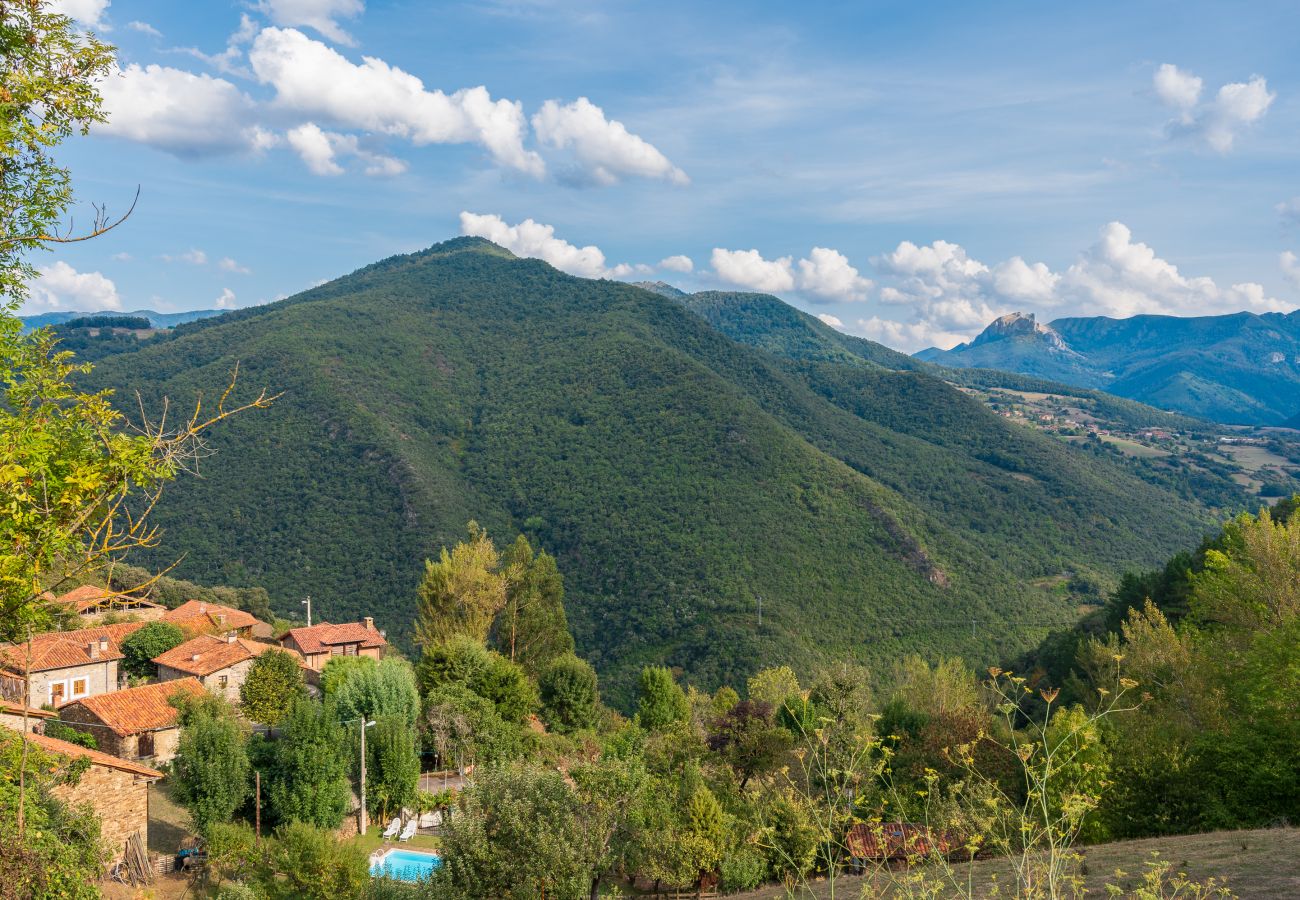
x: 570, y: 700
x: 742, y: 869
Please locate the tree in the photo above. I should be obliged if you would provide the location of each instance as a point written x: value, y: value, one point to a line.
x: 663, y: 702
x: 392, y: 766
x: 463, y: 728
x: 749, y: 740
x: 309, y: 779
x: 532, y: 628
x: 773, y: 685
x: 273, y: 684
x: 338, y: 669
x: 210, y: 772
x: 58, y: 857
x: 383, y: 690
x: 141, y: 647
x: 462, y: 660
x: 609, y: 791
x: 518, y: 833
x: 462, y: 592
x: 569, y: 694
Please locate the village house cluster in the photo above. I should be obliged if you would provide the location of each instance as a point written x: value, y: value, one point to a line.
x: 74, y: 677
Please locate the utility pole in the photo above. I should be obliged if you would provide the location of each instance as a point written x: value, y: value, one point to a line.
x: 308, y: 602
x: 257, y: 780
x: 364, y: 726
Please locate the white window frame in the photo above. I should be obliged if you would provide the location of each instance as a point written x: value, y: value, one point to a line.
x: 49, y: 687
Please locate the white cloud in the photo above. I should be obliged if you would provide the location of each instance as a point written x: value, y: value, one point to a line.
x: 313, y: 79
x: 320, y: 150
x: 1290, y: 267
x: 59, y: 286
x: 827, y: 274
x: 87, y: 12
x: 534, y: 239
x: 226, y: 300
x: 122, y: 257
x: 954, y: 296
x: 748, y: 268
x: 1217, y: 122
x: 144, y: 28
x: 319, y: 15
x: 678, y: 263
x: 1176, y: 88
x: 604, y: 148
x: 229, y: 265
x: 830, y: 320
x: 193, y: 256
x: 1289, y: 210
x: 179, y: 112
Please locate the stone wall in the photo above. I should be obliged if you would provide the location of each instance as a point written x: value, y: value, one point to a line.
x: 120, y: 799
x: 101, y: 678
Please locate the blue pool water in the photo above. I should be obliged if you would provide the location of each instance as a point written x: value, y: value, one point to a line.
x: 405, y: 865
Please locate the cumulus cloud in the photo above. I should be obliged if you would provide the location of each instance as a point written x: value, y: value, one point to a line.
x: 177, y: 111
x: 60, y: 286
x: 1290, y: 267
x: 318, y: 15
x: 1217, y: 122
x: 954, y: 296
x: 534, y: 239
x: 827, y: 274
x: 678, y: 263
x: 87, y: 12
x: 313, y: 79
x: 748, y: 268
x: 830, y: 320
x: 229, y: 265
x: 321, y: 149
x: 604, y: 149
x: 226, y: 300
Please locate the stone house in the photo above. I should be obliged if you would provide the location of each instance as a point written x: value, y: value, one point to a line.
x: 137, y: 723
x: 196, y: 617
x: 116, y: 790
x: 318, y: 643
x: 63, y: 665
x: 92, y: 603
x: 11, y: 716
x: 220, y: 663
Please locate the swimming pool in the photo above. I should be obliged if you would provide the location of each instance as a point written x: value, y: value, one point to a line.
x: 404, y: 865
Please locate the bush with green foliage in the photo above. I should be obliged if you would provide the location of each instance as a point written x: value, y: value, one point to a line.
x: 56, y: 729
x: 462, y: 660
x: 461, y: 728
x: 273, y: 684
x: 662, y: 702
x: 140, y: 647
x: 308, y: 782
x: 385, y: 689
x: 210, y: 772
x: 392, y: 766
x: 570, y: 695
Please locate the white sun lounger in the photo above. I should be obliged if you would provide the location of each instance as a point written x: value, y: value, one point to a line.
x: 409, y: 831
x: 393, y: 827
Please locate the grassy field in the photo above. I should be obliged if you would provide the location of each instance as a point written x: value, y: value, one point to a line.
x: 1263, y: 864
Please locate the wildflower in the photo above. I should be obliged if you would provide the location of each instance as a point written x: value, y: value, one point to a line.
x: 1049, y: 695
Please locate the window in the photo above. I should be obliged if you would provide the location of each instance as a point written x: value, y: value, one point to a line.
x: 144, y: 745
x: 336, y: 650
x: 80, y: 688
x: 350, y: 650
x: 57, y: 691
x: 222, y: 681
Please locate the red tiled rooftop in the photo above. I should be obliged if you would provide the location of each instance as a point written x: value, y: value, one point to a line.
x: 134, y: 710
x: 320, y: 638
x: 88, y: 596
x: 197, y: 616
x: 64, y: 649
x: 63, y: 748
x: 210, y: 653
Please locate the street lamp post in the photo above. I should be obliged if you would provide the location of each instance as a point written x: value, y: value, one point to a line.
x: 308, y: 603
x: 364, y: 816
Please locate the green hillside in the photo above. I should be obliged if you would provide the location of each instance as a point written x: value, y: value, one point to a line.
x: 677, y: 475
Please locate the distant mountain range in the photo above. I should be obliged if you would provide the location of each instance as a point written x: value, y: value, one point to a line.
x: 681, y: 455
x: 156, y: 319
x: 1237, y: 369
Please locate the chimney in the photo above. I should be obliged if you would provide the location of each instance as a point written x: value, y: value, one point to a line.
x: 194, y: 658
x: 370, y: 623
x: 203, y: 607
x: 103, y: 645
x: 221, y: 618
x: 93, y: 649
x: 231, y: 636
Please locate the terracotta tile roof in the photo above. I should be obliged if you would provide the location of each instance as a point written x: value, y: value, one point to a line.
x: 320, y: 638
x: 198, y: 617
x: 63, y: 748
x: 138, y: 709
x: 213, y: 653
x: 897, y: 841
x: 16, y: 709
x: 63, y: 649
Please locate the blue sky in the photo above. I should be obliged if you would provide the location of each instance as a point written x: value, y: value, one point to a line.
x: 905, y: 170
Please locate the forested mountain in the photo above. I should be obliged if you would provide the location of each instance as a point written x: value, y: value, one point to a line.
x: 156, y: 319
x: 676, y: 474
x: 1240, y: 369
